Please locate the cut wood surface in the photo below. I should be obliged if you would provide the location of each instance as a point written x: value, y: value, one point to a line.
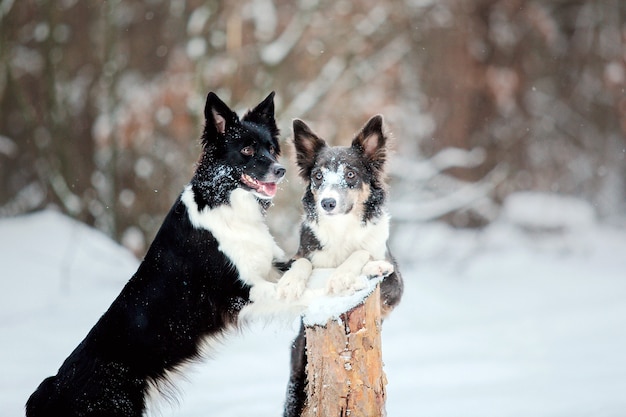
x: 344, y: 364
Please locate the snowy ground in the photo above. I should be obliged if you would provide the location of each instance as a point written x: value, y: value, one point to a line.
x: 499, y: 323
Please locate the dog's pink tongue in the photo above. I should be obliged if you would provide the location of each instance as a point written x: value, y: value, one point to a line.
x: 268, y: 188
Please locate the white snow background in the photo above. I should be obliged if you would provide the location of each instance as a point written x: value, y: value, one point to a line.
x: 524, y: 318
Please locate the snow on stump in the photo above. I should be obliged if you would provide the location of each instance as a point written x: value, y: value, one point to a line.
x: 344, y: 359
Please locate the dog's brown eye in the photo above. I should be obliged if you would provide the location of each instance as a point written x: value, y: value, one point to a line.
x: 272, y: 150
x: 248, y: 151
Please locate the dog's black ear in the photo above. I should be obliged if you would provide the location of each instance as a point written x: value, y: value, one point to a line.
x: 263, y: 114
x: 371, y: 141
x: 218, y: 117
x: 307, y: 144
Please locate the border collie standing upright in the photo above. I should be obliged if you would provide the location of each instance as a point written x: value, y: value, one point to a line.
x: 345, y: 226
x: 209, y: 258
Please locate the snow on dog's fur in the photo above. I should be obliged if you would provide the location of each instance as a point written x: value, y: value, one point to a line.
x: 212, y: 258
x: 345, y: 226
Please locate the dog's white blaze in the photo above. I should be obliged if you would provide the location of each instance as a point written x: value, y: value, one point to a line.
x: 334, y: 178
x: 332, y: 183
x: 343, y: 234
x: 242, y: 233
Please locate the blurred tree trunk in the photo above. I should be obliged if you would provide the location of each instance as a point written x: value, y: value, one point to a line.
x: 454, y: 78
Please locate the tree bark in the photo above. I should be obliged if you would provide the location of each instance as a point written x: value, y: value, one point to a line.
x: 344, y: 364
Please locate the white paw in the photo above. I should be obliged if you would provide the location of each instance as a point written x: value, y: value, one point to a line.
x: 263, y: 290
x: 292, y: 284
x: 344, y: 284
x: 290, y: 287
x: 374, y: 269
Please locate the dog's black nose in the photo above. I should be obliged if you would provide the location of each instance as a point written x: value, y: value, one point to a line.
x: 329, y: 204
x: 279, y: 170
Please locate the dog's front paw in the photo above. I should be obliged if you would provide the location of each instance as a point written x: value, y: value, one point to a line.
x: 374, y: 269
x: 341, y: 283
x: 292, y: 284
x: 290, y: 287
x: 263, y: 290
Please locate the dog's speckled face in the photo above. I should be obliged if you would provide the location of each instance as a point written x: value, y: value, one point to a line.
x: 339, y: 181
x: 342, y: 179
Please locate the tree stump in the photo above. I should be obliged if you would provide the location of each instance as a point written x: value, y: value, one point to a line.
x: 344, y: 364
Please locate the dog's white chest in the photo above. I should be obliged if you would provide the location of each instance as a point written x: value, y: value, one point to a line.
x: 340, y: 236
x: 241, y: 232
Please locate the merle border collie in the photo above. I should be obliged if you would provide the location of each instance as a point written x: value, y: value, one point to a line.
x: 345, y: 226
x: 212, y: 258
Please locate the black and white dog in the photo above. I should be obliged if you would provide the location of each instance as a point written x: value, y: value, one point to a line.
x: 212, y: 258
x: 345, y: 227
